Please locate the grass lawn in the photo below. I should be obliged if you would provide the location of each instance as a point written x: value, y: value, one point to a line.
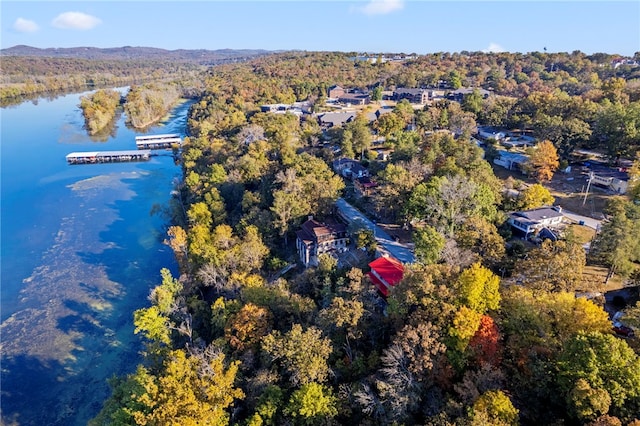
x: 596, y: 276
x: 584, y: 234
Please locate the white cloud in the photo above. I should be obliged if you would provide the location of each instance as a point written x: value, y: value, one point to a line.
x: 381, y: 7
x: 25, y: 26
x: 75, y: 21
x: 494, y: 48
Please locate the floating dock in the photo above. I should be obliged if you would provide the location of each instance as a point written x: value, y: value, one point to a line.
x: 158, y: 141
x: 108, y: 156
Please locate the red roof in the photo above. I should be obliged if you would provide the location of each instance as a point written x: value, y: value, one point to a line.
x: 385, y: 272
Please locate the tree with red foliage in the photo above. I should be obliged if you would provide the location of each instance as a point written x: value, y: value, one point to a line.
x: 485, y: 344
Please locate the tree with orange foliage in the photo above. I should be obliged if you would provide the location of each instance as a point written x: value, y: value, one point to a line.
x: 543, y: 161
x: 485, y: 344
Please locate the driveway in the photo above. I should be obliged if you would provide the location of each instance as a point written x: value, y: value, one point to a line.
x: 588, y: 221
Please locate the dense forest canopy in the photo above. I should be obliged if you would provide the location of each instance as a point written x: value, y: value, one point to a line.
x: 481, y: 329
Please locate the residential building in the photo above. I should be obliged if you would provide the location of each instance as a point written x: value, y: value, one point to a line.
x: 386, y: 273
x: 511, y: 160
x: 534, y: 220
x: 415, y: 96
x: 335, y: 92
x: 354, y: 98
x: 336, y: 119
x: 364, y: 187
x: 315, y: 238
x: 459, y: 94
x: 349, y: 168
x: 613, y: 179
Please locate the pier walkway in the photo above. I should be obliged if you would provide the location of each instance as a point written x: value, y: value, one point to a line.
x: 108, y: 156
x: 158, y: 141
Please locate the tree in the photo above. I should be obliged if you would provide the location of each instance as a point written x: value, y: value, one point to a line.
x: 617, y: 245
x: 190, y: 390
x: 428, y: 244
x: 312, y: 404
x: 605, y: 363
x: 554, y: 266
x: 543, y: 161
x: 245, y: 329
x: 477, y: 288
x: 495, y: 408
x: 485, y: 345
x: 535, y: 196
x: 376, y: 93
x: 301, y: 353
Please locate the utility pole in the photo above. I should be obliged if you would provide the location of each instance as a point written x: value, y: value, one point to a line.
x: 588, y: 185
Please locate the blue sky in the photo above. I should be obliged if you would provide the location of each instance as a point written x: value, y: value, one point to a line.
x: 409, y: 26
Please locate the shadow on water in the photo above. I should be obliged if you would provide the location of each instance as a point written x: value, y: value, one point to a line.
x: 27, y: 385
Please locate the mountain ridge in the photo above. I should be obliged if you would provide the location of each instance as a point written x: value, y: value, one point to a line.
x: 134, y: 53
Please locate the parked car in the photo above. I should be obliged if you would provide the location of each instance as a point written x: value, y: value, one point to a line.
x: 622, y: 330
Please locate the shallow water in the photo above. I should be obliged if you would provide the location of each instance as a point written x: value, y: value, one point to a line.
x: 80, y: 252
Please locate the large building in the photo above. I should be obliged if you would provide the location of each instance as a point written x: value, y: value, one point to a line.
x: 532, y: 221
x: 315, y: 238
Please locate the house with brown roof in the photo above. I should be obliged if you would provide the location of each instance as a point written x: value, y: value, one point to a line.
x: 335, y: 92
x: 315, y: 238
x: 413, y: 95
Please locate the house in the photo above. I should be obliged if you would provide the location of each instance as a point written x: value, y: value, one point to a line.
x: 459, y: 94
x: 415, y: 96
x: 315, y: 238
x: 533, y: 221
x: 349, y: 168
x: 386, y: 273
x: 613, y: 179
x: 511, y: 160
x: 335, y: 92
x: 364, y: 187
x: 354, y: 98
x: 336, y: 119
x: 490, y: 133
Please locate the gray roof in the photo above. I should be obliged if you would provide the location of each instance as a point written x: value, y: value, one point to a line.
x: 536, y: 215
x: 337, y: 118
x: 410, y: 91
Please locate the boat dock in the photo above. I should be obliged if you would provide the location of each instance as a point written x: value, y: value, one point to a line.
x: 108, y: 156
x: 158, y: 141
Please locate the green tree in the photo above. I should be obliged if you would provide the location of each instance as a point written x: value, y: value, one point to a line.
x: 606, y: 363
x: 428, y: 244
x: 312, y: 404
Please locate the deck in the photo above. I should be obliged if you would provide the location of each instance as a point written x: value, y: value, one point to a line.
x: 158, y: 141
x: 95, y: 157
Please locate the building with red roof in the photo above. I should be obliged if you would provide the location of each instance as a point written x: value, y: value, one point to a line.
x: 385, y: 273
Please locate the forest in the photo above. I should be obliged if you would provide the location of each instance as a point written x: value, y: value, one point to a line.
x: 481, y: 329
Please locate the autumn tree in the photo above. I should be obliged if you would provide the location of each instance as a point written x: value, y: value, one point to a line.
x: 543, y: 161
x: 301, y: 353
x: 495, y: 408
x: 554, y: 266
x: 190, y: 390
x: 535, y: 196
x: 477, y: 289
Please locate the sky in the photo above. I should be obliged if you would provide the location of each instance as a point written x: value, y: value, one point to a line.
x: 367, y: 26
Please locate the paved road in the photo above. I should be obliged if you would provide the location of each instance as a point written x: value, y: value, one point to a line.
x: 396, y: 249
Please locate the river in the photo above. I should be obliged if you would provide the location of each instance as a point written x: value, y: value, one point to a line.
x: 80, y: 251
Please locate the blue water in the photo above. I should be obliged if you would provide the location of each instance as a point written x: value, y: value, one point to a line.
x: 79, y: 253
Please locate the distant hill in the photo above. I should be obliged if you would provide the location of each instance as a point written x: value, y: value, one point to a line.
x: 200, y: 56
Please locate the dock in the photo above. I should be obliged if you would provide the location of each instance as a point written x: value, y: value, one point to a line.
x: 158, y: 141
x: 96, y: 157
